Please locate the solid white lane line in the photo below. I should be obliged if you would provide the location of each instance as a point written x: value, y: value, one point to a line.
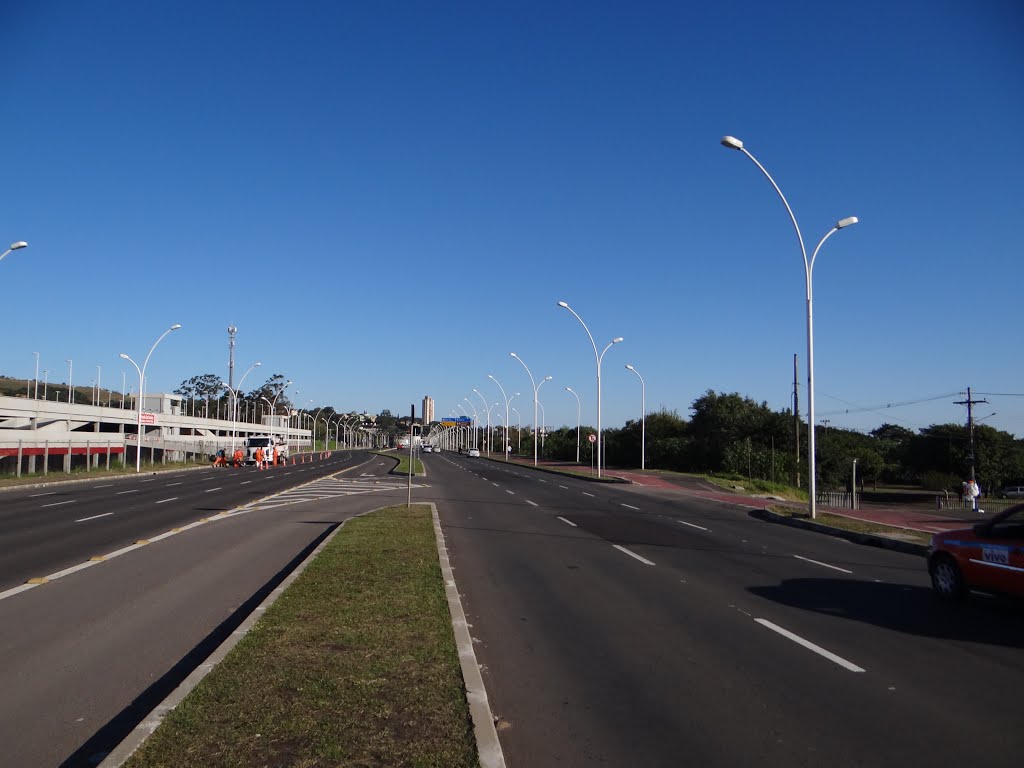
x: 57, y: 503
x: 630, y: 506
x: 826, y: 565
x: 170, y: 484
x: 211, y: 490
x: 643, y: 560
x: 810, y: 646
x: 133, y: 490
x: 82, y: 520
x: 692, y: 525
x: 48, y: 493
x: 164, y: 501
x: 568, y: 522
x: 588, y: 494
x: 531, y: 503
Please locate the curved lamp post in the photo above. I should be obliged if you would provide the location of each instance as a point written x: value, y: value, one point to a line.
x: 533, y: 383
x: 571, y: 391
x: 519, y: 431
x: 487, y: 442
x: 504, y: 448
x: 731, y: 142
x: 14, y: 247
x: 476, y: 423
x: 598, y: 358
x: 142, y: 376
x: 643, y: 417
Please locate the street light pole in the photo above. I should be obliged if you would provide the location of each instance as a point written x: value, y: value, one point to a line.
x: 487, y: 442
x: 643, y: 417
x: 534, y: 385
x: 14, y: 247
x: 71, y: 389
x: 142, y: 378
x: 571, y: 391
x: 35, y: 396
x: 504, y: 448
x: 519, y: 432
x: 731, y: 142
x: 598, y: 358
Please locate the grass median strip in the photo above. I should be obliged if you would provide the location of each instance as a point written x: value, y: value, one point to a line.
x: 354, y: 665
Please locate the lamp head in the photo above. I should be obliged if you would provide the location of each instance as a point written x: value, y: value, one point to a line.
x: 513, y: 354
x: 732, y: 142
x: 630, y: 367
x: 254, y: 365
x: 616, y: 340
x: 176, y: 326
x: 548, y: 378
x: 846, y: 222
x: 123, y: 356
x: 563, y: 305
x: 19, y: 245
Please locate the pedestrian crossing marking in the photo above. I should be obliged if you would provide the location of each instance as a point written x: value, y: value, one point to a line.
x: 329, y: 488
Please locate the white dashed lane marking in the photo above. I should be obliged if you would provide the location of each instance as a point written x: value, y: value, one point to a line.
x: 568, y: 522
x: 824, y: 565
x: 643, y: 560
x: 693, y: 525
x: 810, y: 646
x: 83, y: 519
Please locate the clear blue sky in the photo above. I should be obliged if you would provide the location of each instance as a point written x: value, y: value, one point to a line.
x: 388, y: 198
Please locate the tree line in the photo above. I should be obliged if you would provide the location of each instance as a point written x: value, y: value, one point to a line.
x: 731, y: 434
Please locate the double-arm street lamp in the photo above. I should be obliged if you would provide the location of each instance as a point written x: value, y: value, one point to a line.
x: 504, y: 448
x: 598, y: 357
x: 142, y: 378
x: 731, y: 142
x: 643, y: 417
x: 536, y: 387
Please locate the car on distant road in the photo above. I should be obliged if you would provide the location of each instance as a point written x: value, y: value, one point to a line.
x: 988, y: 557
x: 1012, y: 492
x: 474, y: 453
x: 428, y: 449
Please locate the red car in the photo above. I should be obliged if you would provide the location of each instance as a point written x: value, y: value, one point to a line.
x: 988, y: 557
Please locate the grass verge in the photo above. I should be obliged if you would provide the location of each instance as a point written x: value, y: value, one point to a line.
x: 354, y: 665
x: 403, y: 462
x: 857, y: 526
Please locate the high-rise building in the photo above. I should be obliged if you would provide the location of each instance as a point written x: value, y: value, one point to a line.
x: 428, y: 409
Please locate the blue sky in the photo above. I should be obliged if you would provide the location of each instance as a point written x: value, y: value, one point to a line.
x: 388, y: 198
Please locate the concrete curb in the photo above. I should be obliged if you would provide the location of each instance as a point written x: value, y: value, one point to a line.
x: 487, y: 744
x: 857, y: 537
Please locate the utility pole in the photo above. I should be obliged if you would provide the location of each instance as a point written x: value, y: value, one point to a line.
x: 796, y: 419
x: 970, y: 403
x: 231, y: 355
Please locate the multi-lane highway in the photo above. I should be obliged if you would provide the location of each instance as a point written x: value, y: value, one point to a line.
x: 624, y: 626
x: 87, y: 655
x: 615, y: 625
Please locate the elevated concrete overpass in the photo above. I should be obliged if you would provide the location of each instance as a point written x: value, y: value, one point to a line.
x: 45, y: 435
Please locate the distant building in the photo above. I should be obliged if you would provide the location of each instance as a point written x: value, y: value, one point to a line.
x: 428, y: 410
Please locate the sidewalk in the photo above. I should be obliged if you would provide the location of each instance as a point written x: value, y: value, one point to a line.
x: 896, y: 516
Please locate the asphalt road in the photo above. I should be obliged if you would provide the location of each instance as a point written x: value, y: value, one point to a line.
x: 623, y: 626
x: 85, y: 657
x: 615, y: 625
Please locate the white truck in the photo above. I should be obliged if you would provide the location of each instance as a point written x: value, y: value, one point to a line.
x: 268, y: 443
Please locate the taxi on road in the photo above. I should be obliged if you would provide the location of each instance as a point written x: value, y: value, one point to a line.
x: 988, y: 556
